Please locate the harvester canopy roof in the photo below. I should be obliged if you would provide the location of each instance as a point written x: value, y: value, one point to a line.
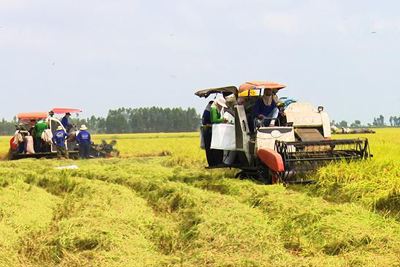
x: 66, y: 110
x: 209, y: 91
x: 254, y: 88
x: 31, y: 116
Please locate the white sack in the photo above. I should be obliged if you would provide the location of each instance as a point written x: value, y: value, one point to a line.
x: 29, y: 145
x: 223, y: 136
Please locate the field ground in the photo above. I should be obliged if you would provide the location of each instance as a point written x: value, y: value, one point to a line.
x: 158, y: 206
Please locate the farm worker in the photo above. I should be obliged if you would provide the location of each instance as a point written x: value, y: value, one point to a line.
x: 229, y: 112
x: 59, y: 138
x: 40, y: 126
x: 282, y: 115
x: 206, y: 118
x: 266, y: 109
x: 65, y: 122
x: 206, y: 131
x: 214, y: 156
x: 18, y: 144
x: 31, y: 127
x: 216, y: 110
x: 84, y: 141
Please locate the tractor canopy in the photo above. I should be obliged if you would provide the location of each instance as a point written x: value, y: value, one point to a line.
x: 66, y: 110
x: 227, y: 89
x: 255, y: 88
x: 31, y: 116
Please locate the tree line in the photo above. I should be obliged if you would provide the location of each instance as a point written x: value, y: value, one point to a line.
x: 132, y: 120
x: 379, y: 121
x: 155, y: 119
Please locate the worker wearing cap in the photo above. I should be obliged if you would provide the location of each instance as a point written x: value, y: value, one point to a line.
x: 84, y: 141
x: 58, y: 139
x: 266, y: 110
x: 65, y: 121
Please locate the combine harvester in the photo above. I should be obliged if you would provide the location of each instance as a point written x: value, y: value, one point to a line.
x: 27, y: 120
x: 296, y: 145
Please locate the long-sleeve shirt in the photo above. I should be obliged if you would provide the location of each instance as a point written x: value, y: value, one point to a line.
x: 215, y: 115
x: 65, y: 122
x: 40, y: 126
x: 59, y: 138
x: 261, y: 109
x: 83, y: 137
x: 206, y: 118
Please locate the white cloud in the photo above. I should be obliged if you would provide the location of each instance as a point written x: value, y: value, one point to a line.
x: 386, y: 24
x: 281, y: 23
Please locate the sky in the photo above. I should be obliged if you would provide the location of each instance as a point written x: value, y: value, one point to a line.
x: 103, y: 54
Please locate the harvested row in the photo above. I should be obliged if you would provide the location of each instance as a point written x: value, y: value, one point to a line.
x: 71, y: 221
x: 311, y: 229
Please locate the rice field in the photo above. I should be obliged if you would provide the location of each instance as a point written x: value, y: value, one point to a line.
x: 156, y: 205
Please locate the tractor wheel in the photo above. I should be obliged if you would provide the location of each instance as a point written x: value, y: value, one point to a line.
x: 265, y: 175
x: 242, y: 175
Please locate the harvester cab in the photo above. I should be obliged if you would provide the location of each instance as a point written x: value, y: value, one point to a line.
x: 298, y: 141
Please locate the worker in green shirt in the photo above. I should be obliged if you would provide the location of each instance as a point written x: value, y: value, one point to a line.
x: 215, y: 111
x: 214, y: 156
x: 40, y: 126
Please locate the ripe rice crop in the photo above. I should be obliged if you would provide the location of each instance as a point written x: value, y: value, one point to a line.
x: 156, y: 205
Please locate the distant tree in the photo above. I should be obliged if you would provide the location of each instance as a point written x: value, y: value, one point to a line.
x: 7, y: 127
x: 342, y: 124
x: 379, y: 122
x: 356, y: 124
x: 382, y: 120
x: 396, y: 121
x: 153, y: 119
x: 116, y: 121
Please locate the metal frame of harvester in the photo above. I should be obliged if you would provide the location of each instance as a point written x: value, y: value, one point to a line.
x: 284, y: 153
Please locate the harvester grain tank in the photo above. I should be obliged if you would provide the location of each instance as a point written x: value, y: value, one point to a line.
x: 298, y: 143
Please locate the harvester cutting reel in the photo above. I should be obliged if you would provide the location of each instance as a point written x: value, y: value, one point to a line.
x: 295, y: 161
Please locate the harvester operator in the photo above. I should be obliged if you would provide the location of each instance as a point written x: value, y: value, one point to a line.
x: 65, y: 122
x: 266, y: 109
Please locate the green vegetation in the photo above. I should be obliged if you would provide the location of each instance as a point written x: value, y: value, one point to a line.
x: 158, y: 206
x: 131, y: 120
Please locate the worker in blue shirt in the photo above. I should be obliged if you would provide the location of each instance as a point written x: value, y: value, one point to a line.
x: 265, y: 110
x: 59, y: 138
x: 65, y: 122
x: 84, y: 141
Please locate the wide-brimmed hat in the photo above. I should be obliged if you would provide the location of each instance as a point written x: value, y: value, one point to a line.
x: 59, y: 128
x: 83, y: 127
x: 221, y: 101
